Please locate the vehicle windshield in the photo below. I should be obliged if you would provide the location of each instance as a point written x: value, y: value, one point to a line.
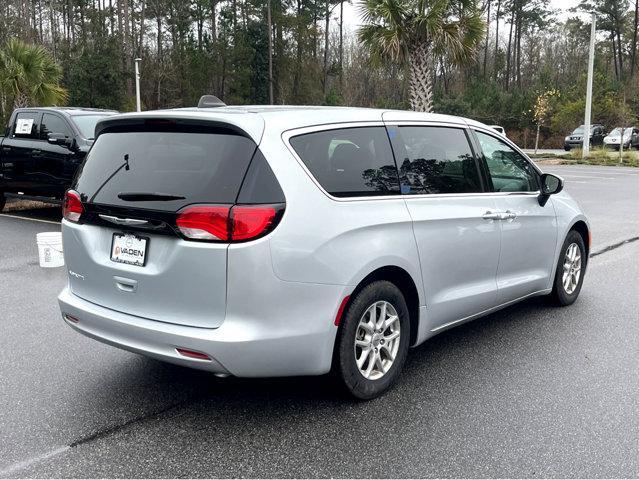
x: 578, y: 131
x: 617, y: 132
x: 86, y: 124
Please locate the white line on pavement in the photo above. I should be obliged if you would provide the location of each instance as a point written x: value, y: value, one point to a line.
x: 610, y: 171
x: 589, y: 177
x: 28, y: 218
x: 5, y: 472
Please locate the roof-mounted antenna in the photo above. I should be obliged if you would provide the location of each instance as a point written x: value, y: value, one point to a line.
x: 210, y: 101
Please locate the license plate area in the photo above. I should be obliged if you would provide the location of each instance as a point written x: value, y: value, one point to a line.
x: 129, y: 249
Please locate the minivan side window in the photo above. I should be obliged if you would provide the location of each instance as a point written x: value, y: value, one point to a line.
x: 350, y: 162
x: 53, y: 124
x: 26, y: 125
x: 435, y: 160
x: 508, y: 170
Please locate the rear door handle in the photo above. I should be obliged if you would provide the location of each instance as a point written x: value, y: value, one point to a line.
x: 489, y: 215
x: 508, y: 215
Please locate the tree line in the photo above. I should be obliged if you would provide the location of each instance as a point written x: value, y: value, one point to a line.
x: 491, y: 60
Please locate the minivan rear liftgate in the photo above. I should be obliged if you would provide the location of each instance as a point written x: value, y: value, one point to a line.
x: 153, y: 210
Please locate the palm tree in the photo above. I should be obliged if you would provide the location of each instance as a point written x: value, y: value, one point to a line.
x: 29, y: 75
x: 412, y: 32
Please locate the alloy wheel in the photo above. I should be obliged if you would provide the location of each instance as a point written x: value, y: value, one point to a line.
x: 377, y: 340
x: 572, y: 268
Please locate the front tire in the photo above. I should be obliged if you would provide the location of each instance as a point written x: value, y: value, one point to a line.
x: 373, y: 340
x: 571, y: 268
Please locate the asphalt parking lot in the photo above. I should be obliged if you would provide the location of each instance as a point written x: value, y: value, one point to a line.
x: 531, y: 391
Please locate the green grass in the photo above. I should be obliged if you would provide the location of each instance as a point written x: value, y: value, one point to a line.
x: 602, y: 156
x: 598, y: 156
x: 549, y: 155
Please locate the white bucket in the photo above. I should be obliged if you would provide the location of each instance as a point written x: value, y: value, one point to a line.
x: 50, y: 249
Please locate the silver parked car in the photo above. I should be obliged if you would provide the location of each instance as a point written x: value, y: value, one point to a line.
x: 274, y: 241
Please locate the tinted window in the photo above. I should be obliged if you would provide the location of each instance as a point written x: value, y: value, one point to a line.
x: 201, y: 167
x: 260, y: 184
x: 53, y: 124
x: 509, y: 171
x: 435, y: 160
x: 26, y: 125
x: 86, y: 124
x: 351, y: 161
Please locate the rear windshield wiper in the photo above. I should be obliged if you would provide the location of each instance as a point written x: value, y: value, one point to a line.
x: 147, y: 196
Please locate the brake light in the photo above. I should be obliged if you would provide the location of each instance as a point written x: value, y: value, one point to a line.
x: 204, y: 222
x: 72, y: 207
x: 227, y: 224
x: 251, y: 221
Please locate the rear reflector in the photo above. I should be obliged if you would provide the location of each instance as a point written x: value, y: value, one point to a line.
x: 193, y: 354
x: 72, y: 207
x: 340, y: 310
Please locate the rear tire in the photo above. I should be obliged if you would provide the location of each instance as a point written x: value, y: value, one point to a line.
x: 571, y: 268
x: 373, y: 340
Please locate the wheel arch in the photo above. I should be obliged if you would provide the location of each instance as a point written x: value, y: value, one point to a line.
x: 402, y: 280
x: 582, y: 229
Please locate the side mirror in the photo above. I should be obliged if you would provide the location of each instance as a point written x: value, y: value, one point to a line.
x: 60, y: 139
x: 550, y: 184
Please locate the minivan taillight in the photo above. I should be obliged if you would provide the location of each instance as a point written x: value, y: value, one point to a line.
x: 72, y: 207
x: 251, y: 221
x: 203, y: 222
x: 238, y: 223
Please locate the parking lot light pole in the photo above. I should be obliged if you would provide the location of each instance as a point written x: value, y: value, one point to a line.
x: 137, y: 84
x: 591, y: 64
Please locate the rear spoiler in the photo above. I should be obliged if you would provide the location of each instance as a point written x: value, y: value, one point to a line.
x: 252, y: 126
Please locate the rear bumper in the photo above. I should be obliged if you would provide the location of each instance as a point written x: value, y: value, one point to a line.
x: 244, y: 348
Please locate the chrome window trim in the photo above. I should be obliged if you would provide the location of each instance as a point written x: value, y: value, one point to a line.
x: 425, y: 123
x: 288, y: 134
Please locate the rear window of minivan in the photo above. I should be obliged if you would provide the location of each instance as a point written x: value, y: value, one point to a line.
x: 350, y: 162
x: 179, y: 167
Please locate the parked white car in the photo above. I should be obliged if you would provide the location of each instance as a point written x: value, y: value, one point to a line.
x: 630, y: 138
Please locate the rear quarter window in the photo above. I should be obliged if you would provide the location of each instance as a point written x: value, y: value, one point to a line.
x: 350, y: 162
x: 201, y: 167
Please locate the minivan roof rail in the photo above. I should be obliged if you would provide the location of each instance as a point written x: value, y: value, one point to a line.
x: 210, y: 101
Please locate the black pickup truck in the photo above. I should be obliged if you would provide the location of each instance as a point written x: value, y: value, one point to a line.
x: 42, y: 149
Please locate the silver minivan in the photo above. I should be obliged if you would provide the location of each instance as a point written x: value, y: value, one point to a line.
x: 277, y: 241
